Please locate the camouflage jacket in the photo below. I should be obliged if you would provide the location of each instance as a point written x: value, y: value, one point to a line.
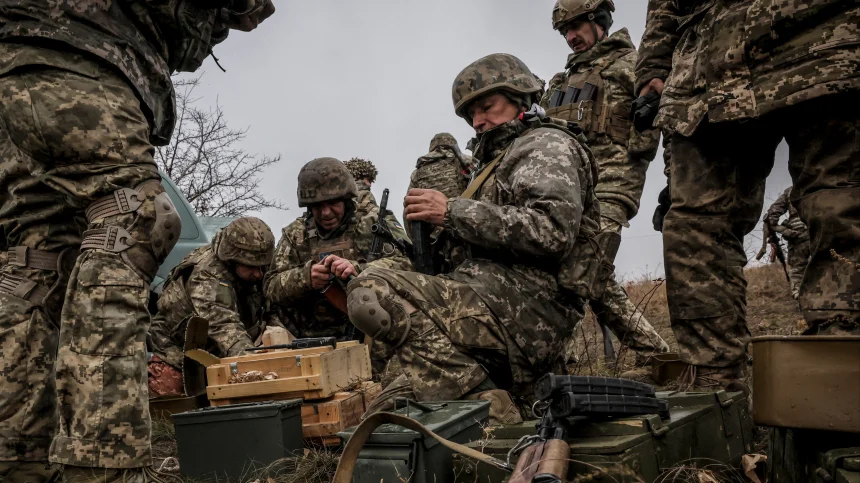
x: 793, y: 229
x: 519, y: 227
x: 621, y: 152
x: 366, y: 201
x: 441, y: 170
x: 204, y: 286
x: 745, y: 58
x: 144, y: 40
x: 287, y: 285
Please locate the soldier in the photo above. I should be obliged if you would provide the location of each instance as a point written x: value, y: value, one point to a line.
x: 444, y: 168
x: 739, y: 77
x: 796, y: 235
x: 85, y: 92
x: 596, y: 92
x: 364, y: 173
x: 222, y: 283
x: 497, y: 321
x: 332, y: 240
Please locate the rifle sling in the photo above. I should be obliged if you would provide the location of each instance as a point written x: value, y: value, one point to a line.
x: 485, y: 173
x: 346, y: 466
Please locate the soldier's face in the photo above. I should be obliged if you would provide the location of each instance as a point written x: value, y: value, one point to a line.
x: 249, y: 273
x: 328, y: 214
x: 492, y: 110
x: 581, y: 35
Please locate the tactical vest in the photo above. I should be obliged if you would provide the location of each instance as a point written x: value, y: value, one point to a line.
x: 444, y: 175
x: 583, y: 99
x: 585, y: 270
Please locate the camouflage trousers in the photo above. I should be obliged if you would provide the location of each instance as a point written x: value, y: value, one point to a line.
x: 73, y: 327
x: 616, y: 311
x: 444, y: 337
x: 717, y: 188
x: 798, y: 258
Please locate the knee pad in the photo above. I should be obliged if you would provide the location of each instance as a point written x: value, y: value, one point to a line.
x: 377, y: 315
x: 141, y: 224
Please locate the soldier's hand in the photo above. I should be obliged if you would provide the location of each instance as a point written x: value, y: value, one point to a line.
x: 340, y: 267
x: 656, y: 85
x: 320, y: 276
x: 426, y: 205
x: 246, y: 15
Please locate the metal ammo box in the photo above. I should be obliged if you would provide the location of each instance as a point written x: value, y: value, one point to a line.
x: 231, y: 441
x: 704, y: 429
x: 397, y: 454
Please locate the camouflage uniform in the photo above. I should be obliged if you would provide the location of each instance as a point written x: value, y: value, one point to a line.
x: 739, y: 77
x: 303, y: 243
x: 500, y: 318
x: 362, y: 169
x: 444, y: 168
x: 205, y: 284
x: 85, y: 91
x: 796, y: 234
x: 621, y: 152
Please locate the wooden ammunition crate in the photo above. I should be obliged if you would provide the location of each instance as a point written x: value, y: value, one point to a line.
x: 322, y: 420
x: 314, y: 373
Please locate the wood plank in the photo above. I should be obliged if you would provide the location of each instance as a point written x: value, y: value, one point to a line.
x: 344, y: 368
x: 276, y: 336
x: 275, y: 354
x: 260, y: 388
x: 281, y: 396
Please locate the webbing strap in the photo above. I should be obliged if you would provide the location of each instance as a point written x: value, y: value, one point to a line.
x: 22, y: 288
x: 485, y: 173
x: 22, y: 256
x: 124, y: 200
x: 346, y: 466
x: 111, y: 238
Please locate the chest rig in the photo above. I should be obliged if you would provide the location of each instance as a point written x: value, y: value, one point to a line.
x: 581, y: 97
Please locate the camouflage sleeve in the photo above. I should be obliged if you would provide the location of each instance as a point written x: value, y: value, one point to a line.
x: 622, y: 157
x: 546, y: 192
x: 658, y: 42
x: 214, y: 299
x: 777, y: 209
x: 288, y: 278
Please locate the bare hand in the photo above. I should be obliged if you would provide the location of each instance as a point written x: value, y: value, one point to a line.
x: 340, y: 267
x: 320, y: 276
x: 656, y: 85
x: 426, y: 205
x: 247, y: 21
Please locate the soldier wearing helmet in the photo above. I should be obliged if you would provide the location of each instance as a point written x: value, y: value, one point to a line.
x: 222, y: 283
x: 364, y: 173
x: 331, y: 240
x: 493, y: 324
x: 444, y: 168
x: 596, y: 91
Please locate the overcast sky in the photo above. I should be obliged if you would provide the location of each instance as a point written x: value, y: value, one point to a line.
x: 373, y: 79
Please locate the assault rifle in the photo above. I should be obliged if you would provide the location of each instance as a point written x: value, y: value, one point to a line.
x: 382, y: 233
x: 300, y: 344
x: 644, y: 111
x: 769, y: 237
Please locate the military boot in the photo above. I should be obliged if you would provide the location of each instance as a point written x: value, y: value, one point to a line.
x: 28, y: 472
x: 503, y: 410
x: 711, y: 379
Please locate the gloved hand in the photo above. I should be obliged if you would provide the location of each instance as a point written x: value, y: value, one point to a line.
x: 664, y: 200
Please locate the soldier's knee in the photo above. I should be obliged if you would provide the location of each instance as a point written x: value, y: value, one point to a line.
x: 377, y: 312
x: 140, y: 224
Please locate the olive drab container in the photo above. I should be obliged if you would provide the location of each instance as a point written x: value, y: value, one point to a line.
x: 704, y: 429
x: 394, y: 453
x: 227, y: 443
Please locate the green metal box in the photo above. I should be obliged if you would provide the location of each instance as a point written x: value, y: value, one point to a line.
x: 397, y: 454
x: 704, y: 428
x: 227, y: 443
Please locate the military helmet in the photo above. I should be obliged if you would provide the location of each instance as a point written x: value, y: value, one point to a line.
x: 443, y: 139
x: 567, y: 10
x: 248, y: 241
x: 361, y: 169
x: 491, y: 73
x: 325, y: 179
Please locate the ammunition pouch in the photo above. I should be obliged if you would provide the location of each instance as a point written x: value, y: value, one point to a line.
x: 34, y: 292
x: 587, y: 268
x: 151, y: 226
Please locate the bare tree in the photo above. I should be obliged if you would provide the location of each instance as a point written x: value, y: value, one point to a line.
x: 205, y: 161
